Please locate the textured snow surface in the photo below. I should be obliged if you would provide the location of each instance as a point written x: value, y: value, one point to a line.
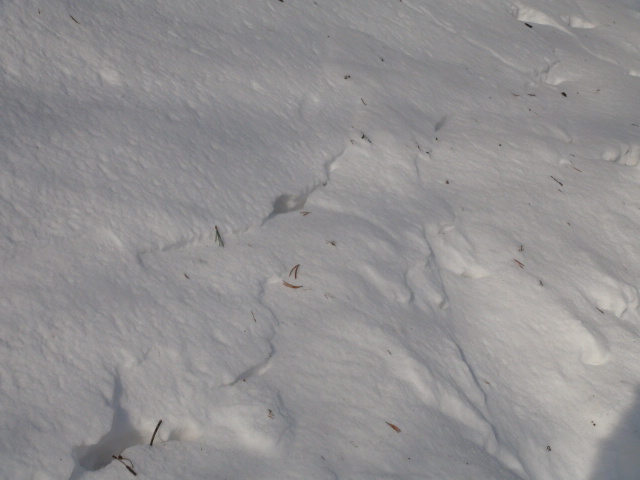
x: 431, y: 223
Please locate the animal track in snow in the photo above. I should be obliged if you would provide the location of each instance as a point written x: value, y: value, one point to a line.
x: 607, y: 295
x: 287, y: 203
x: 463, y: 399
x: 424, y: 279
x: 393, y: 291
x: 628, y: 155
x: 110, y: 76
x: 575, y: 21
x: 416, y: 374
x: 595, y: 348
x: 531, y: 15
x: 290, y: 203
x: 258, y: 419
x: 255, y: 370
x: 453, y: 251
x: 611, y: 295
x: 121, y: 436
x: 584, y: 333
x: 441, y: 123
x: 550, y: 74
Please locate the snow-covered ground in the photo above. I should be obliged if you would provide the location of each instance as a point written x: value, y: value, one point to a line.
x: 431, y: 223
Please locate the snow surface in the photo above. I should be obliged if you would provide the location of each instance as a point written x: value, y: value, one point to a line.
x: 457, y: 181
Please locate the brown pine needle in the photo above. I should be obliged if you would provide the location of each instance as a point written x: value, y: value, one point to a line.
x: 154, y: 433
x: 394, y: 427
x: 294, y: 271
x: 287, y: 284
x: 122, y: 459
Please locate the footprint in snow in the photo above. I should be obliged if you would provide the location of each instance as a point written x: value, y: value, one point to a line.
x: 628, y: 155
x: 595, y: 349
x: 453, y: 251
x: 425, y: 284
x: 123, y: 434
x: 612, y: 295
x: 531, y: 15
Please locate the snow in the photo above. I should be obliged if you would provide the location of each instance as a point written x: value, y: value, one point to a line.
x: 457, y: 183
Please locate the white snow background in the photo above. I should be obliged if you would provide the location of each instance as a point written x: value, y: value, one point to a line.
x: 458, y: 182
